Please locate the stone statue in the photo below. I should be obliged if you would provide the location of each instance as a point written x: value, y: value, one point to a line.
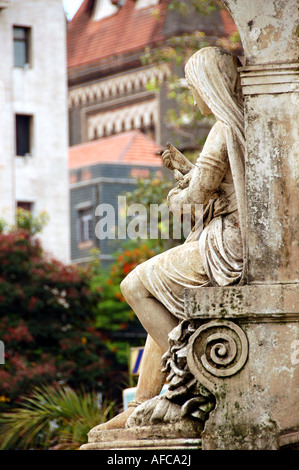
x: 211, y: 256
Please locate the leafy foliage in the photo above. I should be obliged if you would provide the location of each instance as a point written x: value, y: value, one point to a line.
x: 47, y: 321
x: 55, y: 417
x: 203, y: 7
x: 26, y: 220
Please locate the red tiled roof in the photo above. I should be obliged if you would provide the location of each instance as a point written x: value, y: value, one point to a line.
x: 228, y: 23
x: 129, y: 148
x: 127, y: 30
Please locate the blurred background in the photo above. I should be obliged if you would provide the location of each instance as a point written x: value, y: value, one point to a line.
x: 91, y: 91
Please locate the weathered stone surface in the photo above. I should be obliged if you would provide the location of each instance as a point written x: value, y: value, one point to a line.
x: 255, y: 302
x: 272, y: 187
x: 151, y: 437
x: 243, y: 340
x: 258, y: 406
x: 270, y: 84
x: 289, y: 441
x: 268, y: 29
x: 257, y: 399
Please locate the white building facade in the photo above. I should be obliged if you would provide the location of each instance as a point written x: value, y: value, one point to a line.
x: 33, y: 117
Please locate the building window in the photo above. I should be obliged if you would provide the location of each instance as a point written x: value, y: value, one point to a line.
x: 103, y: 9
x: 27, y: 206
x: 21, y: 37
x: 23, y: 135
x: 84, y: 225
x: 146, y: 3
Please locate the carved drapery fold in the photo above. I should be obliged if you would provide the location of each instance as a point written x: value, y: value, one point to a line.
x: 196, y: 361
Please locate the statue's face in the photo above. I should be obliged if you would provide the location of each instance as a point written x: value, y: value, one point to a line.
x: 203, y: 107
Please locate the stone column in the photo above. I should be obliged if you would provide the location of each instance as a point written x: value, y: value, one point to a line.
x: 244, y: 350
x: 270, y: 79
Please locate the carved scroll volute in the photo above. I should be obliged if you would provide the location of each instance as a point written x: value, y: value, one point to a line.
x: 217, y: 350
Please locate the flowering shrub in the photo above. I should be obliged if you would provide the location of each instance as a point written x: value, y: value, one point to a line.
x: 47, y: 321
x: 128, y: 260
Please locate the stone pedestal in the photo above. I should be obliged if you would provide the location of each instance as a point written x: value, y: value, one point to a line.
x: 243, y: 352
x: 257, y: 398
x: 146, y: 438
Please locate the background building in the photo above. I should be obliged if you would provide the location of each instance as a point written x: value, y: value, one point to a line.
x: 106, y: 74
x: 100, y: 171
x: 108, y: 93
x: 33, y: 117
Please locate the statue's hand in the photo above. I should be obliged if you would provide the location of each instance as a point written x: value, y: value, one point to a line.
x: 166, y: 157
x: 174, y: 160
x: 178, y: 175
x: 183, y: 181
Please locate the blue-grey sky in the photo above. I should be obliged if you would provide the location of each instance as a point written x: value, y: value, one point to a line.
x: 71, y: 7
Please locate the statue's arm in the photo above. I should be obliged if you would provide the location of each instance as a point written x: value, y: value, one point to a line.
x: 206, y: 175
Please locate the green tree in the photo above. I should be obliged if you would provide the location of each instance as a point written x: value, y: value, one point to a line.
x: 52, y: 417
x: 47, y: 322
x: 26, y: 220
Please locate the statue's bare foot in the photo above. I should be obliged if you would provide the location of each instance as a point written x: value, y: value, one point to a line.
x: 118, y: 422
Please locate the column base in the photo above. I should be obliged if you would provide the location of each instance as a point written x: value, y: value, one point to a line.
x: 146, y: 438
x: 245, y: 351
